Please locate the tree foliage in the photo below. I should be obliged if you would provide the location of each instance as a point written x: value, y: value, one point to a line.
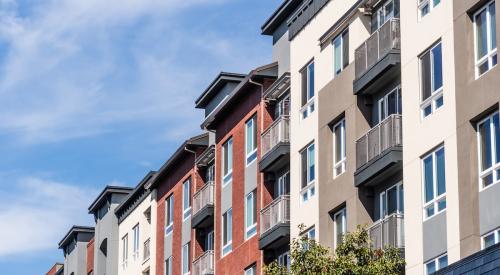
x: 354, y: 256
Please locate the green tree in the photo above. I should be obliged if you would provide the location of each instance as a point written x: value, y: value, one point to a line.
x: 354, y: 256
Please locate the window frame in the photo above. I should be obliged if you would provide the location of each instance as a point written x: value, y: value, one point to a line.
x: 381, y: 8
x: 342, y: 163
x: 284, y: 184
x: 251, y: 230
x: 228, y: 247
x: 186, y: 209
x: 435, y: 101
x: 252, y: 155
x: 436, y: 261
x: 136, y: 244
x: 227, y: 149
x: 341, y: 38
x: 186, y: 248
x: 342, y: 214
x: 125, y: 251
x: 383, y: 114
x: 251, y: 270
x: 169, y: 212
x: 494, y: 170
x: 491, y: 53
x: 308, y: 106
x: 168, y: 266
x: 430, y: 4
x: 384, y: 201
x: 496, y: 235
x: 436, y: 198
x: 308, y: 190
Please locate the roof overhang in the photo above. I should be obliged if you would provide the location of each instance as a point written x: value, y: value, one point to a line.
x: 218, y: 83
x: 74, y: 231
x: 108, y: 190
x: 132, y: 197
x: 279, y: 16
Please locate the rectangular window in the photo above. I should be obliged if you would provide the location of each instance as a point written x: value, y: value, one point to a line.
x: 426, y: 6
x: 383, y: 14
x: 251, y: 270
x: 168, y: 266
x: 391, y: 201
x: 431, y: 67
x: 308, y: 176
x: 169, y: 212
x: 307, y: 76
x: 227, y: 157
x: 488, y: 140
x: 136, y: 242
x: 209, y: 241
x: 486, y: 40
x: 432, y: 266
x: 186, y: 199
x: 340, y: 52
x: 339, y: 151
x: 389, y: 104
x: 434, y: 183
x: 124, y: 251
x: 284, y: 260
x: 227, y: 232
x: 251, y: 214
x: 340, y: 221
x: 251, y: 140
x: 186, y: 259
x: 284, y: 184
x: 490, y: 239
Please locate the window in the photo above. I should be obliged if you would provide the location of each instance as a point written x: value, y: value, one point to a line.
x: 186, y: 256
x: 389, y: 104
x: 383, y: 14
x: 391, y: 201
x: 251, y: 214
x: 282, y: 107
x: 251, y: 140
x: 311, y: 233
x: 227, y: 157
x: 307, y: 75
x: 434, y: 183
x: 490, y: 239
x: 169, y: 212
x: 227, y: 232
x: 210, y: 173
x: 251, y: 270
x: 186, y: 199
x: 135, y: 252
x: 340, y: 52
x: 124, y: 251
x: 339, y: 148
x: 486, y: 39
x: 436, y: 264
x: 284, y: 184
x: 340, y: 221
x: 425, y: 6
x: 168, y: 266
x: 284, y: 260
x: 488, y: 140
x: 307, y: 157
x: 209, y: 241
x: 431, y: 66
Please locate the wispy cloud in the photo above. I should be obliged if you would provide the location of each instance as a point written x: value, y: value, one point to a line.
x: 35, y: 213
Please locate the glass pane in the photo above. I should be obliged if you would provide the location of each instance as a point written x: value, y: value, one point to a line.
x: 401, y: 199
x: 392, y: 201
x: 489, y: 240
x: 392, y: 104
x: 484, y: 67
x: 496, y: 131
x: 345, y: 49
x: 224, y: 228
x: 249, y: 136
x: 443, y: 262
x: 230, y: 155
x: 436, y: 2
x: 494, y: 60
x: 439, y: 102
x: 311, y: 81
x: 493, y: 27
x: 426, y: 76
x: 381, y: 110
x: 311, y: 162
x: 427, y: 110
x: 389, y: 11
x: 481, y: 33
x: 230, y: 225
x: 430, y: 211
x: 337, y: 55
x: 225, y: 156
x: 442, y: 205
x: 437, y: 67
x: 441, y: 178
x: 430, y: 267
x: 304, y: 86
x: 383, y: 205
x: 428, y: 179
x: 487, y: 180
x: 304, y: 168
x: 339, y: 230
x: 249, y: 211
x: 485, y: 144
x: 338, y: 143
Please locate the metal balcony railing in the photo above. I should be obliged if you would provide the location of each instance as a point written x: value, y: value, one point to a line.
x: 388, y: 232
x: 385, y: 135
x: 203, y: 197
x: 147, y: 249
x: 204, y: 265
x: 278, y: 132
x: 380, y: 43
x: 277, y: 212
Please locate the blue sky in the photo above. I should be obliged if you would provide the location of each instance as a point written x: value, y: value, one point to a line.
x: 100, y: 92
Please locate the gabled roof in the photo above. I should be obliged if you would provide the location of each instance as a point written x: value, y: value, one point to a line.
x: 108, y: 190
x: 132, y: 198
x: 75, y: 229
x: 279, y: 16
x: 222, y: 79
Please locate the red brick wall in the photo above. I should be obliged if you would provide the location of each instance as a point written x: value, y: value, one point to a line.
x: 54, y: 269
x: 90, y: 256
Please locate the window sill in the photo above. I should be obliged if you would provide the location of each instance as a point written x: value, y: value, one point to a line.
x: 308, y: 192
x: 307, y: 109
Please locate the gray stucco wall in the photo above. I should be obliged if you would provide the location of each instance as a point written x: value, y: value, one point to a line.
x: 168, y: 246
x: 76, y: 261
x: 281, y: 49
x: 186, y: 231
x: 435, y: 240
x: 250, y: 177
x: 226, y: 197
x: 489, y: 203
x: 228, y: 88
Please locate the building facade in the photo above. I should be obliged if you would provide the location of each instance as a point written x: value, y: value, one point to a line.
x: 74, y: 247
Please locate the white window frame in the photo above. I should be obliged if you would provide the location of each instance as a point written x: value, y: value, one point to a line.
x: 309, y: 190
x: 252, y: 270
x: 209, y: 241
x: 437, y: 95
x: 252, y: 155
x: 382, y: 9
x: 124, y: 251
x: 283, y: 189
x: 309, y: 107
x: 308, y: 232
x: 429, y: 3
x: 495, y: 163
x: 491, y: 52
x: 186, y: 205
x: 343, y: 161
x: 384, y: 101
x: 227, y: 175
x: 339, y: 37
x: 228, y: 247
x: 437, y: 199
x: 251, y: 230
x: 496, y: 234
x: 169, y: 221
x: 281, y: 260
x: 341, y: 214
x: 436, y: 262
x: 186, y: 248
x: 136, y: 246
x: 384, y: 200
x: 168, y: 266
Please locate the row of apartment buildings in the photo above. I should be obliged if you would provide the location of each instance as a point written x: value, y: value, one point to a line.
x: 319, y: 138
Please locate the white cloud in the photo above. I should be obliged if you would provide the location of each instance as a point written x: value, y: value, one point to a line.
x: 36, y: 213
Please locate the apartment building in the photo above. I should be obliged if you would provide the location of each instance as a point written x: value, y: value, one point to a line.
x: 74, y: 246
x: 106, y: 238
x: 136, y: 230
x: 56, y: 269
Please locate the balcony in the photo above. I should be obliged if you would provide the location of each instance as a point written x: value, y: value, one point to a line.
x: 275, y: 223
x: 203, y: 206
x: 204, y: 265
x: 388, y: 232
x: 379, y: 153
x: 378, y: 59
x: 275, y: 142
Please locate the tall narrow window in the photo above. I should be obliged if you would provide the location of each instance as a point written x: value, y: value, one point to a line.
x: 284, y: 260
x: 251, y: 140
x: 488, y: 136
x: 168, y: 266
x: 186, y: 199
x: 490, y: 239
x: 186, y: 259
x: 426, y: 6
x: 169, y: 212
x: 384, y: 13
x: 434, y: 183
x: 432, y: 266
x: 284, y: 184
x: 210, y: 173
x: 341, y: 52
x: 227, y: 151
x: 431, y: 66
x: 307, y: 75
x: 209, y: 241
x: 339, y: 148
x: 308, y: 176
x: 340, y: 221
x: 389, y: 104
x: 486, y: 39
x: 227, y: 232
x: 251, y: 214
x: 135, y: 252
x: 391, y: 201
x: 124, y: 251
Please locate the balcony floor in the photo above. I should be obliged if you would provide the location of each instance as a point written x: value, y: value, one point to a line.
x: 203, y: 218
x: 275, y: 237
x: 384, y: 71
x: 379, y: 168
x: 276, y: 158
